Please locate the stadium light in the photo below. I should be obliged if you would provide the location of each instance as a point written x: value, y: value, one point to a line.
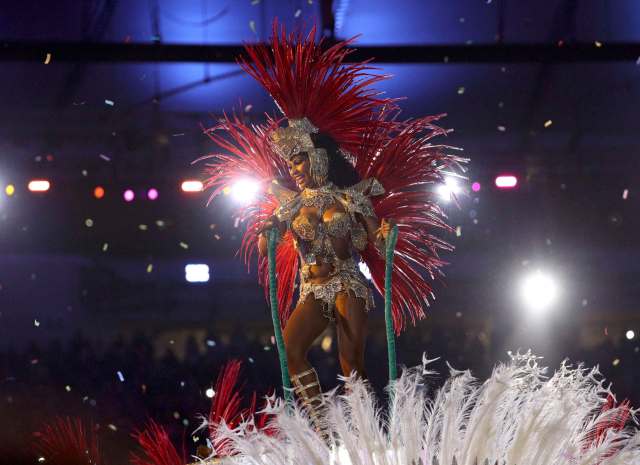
x: 39, y: 185
x: 245, y: 190
x: 539, y: 291
x: 506, y: 181
x: 98, y: 192
x: 476, y: 186
x: 152, y: 194
x: 192, y: 186
x: 630, y: 334
x: 129, y: 195
x: 448, y: 189
x: 10, y: 190
x: 196, y: 273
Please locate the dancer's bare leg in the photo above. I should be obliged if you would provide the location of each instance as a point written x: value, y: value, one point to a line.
x: 351, y: 325
x: 306, y: 323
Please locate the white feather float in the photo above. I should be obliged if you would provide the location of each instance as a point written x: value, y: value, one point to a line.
x: 519, y: 416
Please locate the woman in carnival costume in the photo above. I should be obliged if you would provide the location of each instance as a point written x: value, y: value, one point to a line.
x: 336, y: 177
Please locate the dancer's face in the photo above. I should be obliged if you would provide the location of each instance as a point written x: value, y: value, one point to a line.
x: 300, y: 170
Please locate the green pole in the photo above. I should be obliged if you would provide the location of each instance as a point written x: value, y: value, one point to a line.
x: 391, y: 341
x: 277, y: 328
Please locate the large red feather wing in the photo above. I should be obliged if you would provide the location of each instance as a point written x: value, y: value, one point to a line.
x: 405, y: 162
x: 248, y: 154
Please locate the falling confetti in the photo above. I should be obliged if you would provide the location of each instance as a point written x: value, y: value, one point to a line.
x: 176, y: 415
x: 149, y: 267
x: 112, y: 427
x: 109, y: 102
x: 548, y: 123
x: 297, y: 13
x: 252, y: 26
x: 638, y: 61
x: 84, y: 173
x: 36, y: 323
x: 142, y: 227
x: 88, y: 223
x: 67, y: 388
x: 254, y: 2
x: 217, y: 236
x: 460, y: 90
x: 502, y: 128
x: 104, y: 157
x: 598, y: 44
x: 458, y: 231
x: 462, y: 19
x: 184, y: 245
x: 248, y: 108
x: 625, y: 194
x: 120, y: 376
x: 616, y: 362
x: 178, y: 134
x: 47, y: 60
x: 105, y: 247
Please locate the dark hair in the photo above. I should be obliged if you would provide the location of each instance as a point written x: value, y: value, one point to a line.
x: 341, y: 172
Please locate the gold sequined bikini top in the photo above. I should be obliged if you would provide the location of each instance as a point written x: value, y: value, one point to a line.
x: 313, y: 236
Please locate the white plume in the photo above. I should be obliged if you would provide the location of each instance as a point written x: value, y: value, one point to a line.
x: 519, y: 416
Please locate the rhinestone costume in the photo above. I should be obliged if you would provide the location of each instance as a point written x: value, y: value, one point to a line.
x: 314, y: 239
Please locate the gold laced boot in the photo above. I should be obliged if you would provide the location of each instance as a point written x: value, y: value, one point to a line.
x: 303, y: 384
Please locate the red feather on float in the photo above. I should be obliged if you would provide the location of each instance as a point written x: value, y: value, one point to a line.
x: 67, y: 441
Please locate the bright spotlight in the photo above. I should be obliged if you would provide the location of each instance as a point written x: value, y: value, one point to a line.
x: 152, y: 194
x: 448, y: 189
x: 39, y: 185
x: 364, y: 269
x: 506, y: 181
x: 539, y: 291
x: 475, y: 187
x: 192, y: 186
x: 210, y: 393
x: 10, y: 190
x: 196, y: 273
x: 630, y: 334
x: 98, y: 192
x: 245, y: 190
x: 129, y: 195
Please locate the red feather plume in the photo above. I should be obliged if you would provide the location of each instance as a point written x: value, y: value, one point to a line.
x: 306, y: 79
x: 157, y: 448
x: 67, y: 441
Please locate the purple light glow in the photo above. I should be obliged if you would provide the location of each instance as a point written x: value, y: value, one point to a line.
x: 476, y: 186
x: 129, y: 195
x: 152, y: 194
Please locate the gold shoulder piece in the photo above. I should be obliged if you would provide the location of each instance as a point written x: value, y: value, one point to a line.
x: 282, y: 194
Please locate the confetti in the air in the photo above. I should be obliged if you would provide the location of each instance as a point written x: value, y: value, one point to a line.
x: 177, y: 134
x: 548, y: 123
x: 143, y: 227
x: 502, y: 128
x: 460, y: 90
x: 84, y: 173
x: 104, y: 157
x: 598, y: 44
x: 297, y: 13
x: 458, y: 231
x: 616, y: 362
x: 47, y: 60
x: 36, y: 323
x: 254, y: 2
x: 120, y: 376
x: 109, y: 102
x: 184, y: 245
x: 67, y: 388
x: 112, y: 427
x: 625, y: 194
x: 252, y: 26
x: 105, y: 246
x: 638, y: 61
x: 248, y: 108
x: 88, y: 223
x: 217, y: 236
x: 149, y: 267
